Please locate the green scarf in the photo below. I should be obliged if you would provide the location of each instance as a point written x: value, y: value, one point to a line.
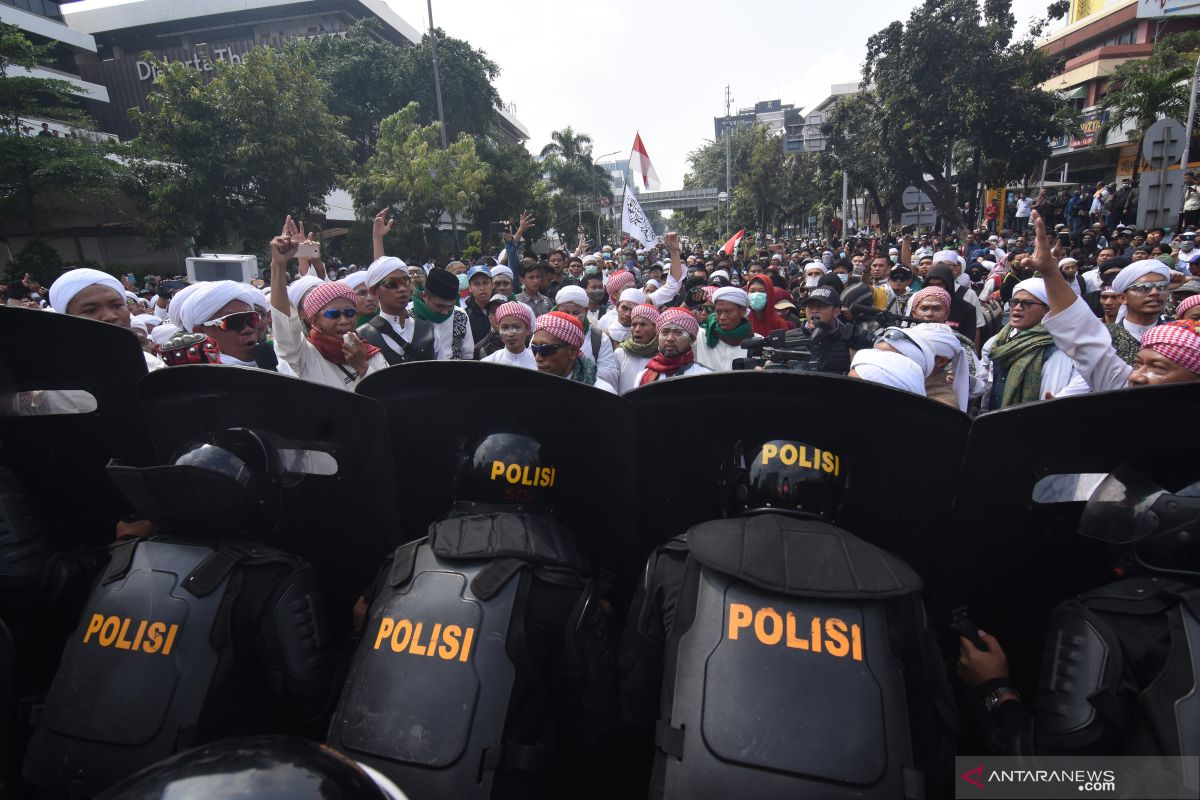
x: 1021, y: 358
x: 584, y: 371
x: 422, y: 311
x: 647, y: 350
x: 1124, y: 342
x: 713, y: 331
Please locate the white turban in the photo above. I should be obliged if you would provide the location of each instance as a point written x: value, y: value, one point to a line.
x: 732, y: 294
x: 815, y: 266
x: 572, y: 294
x: 144, y: 321
x: 913, y: 348
x: 355, y: 279
x: 302, y: 286
x: 382, y: 267
x: 203, y: 304
x: 890, y: 369
x: 499, y: 270
x: 74, y: 281
x: 1035, y: 286
x: 1129, y: 275
x: 255, y: 298
x: 163, y: 332
x: 942, y: 341
x: 945, y: 257
x: 635, y: 296
x: 179, y: 299
x: 1062, y: 262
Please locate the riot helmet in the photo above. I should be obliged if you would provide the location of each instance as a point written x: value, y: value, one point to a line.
x: 1159, y: 529
x: 507, y: 469
x: 257, y: 768
x: 783, y: 475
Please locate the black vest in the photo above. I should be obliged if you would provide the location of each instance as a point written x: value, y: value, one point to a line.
x: 783, y: 677
x: 395, y: 349
x: 428, y: 698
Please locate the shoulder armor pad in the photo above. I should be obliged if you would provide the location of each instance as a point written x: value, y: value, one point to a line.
x: 1076, y: 661
x: 1140, y: 594
x: 533, y: 538
x: 676, y: 544
x: 802, y: 557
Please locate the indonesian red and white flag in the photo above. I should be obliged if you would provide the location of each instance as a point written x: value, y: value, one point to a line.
x: 639, y: 160
x: 732, y: 244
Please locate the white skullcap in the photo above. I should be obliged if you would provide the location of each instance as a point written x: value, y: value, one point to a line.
x: 145, y: 321
x: 1035, y: 286
x: 300, y: 287
x: 355, y: 279
x: 179, y: 299
x: 944, y: 343
x: 382, y: 267
x: 1127, y: 276
x: 1068, y: 260
x: 945, y: 257
x: 889, y: 369
x: 162, y: 333
x: 635, y: 296
x: 591, y: 259
x: 732, y: 294
x: 571, y: 294
x: 499, y: 270
x: 74, y: 281
x: 915, y: 349
x: 131, y: 296
x: 255, y: 298
x: 817, y: 266
x: 203, y: 305
x: 719, y: 273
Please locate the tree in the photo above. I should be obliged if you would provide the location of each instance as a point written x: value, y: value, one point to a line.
x: 954, y: 76
x: 576, y: 179
x: 412, y: 175
x: 1143, y: 91
x: 853, y: 132
x: 34, y: 169
x: 375, y: 78
x: 223, y: 159
x: 514, y: 185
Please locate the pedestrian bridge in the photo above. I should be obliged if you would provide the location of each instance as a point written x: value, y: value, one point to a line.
x: 702, y: 199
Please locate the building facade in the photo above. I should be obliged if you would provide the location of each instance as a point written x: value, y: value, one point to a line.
x: 771, y: 113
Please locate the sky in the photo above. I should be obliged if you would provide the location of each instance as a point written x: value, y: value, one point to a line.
x: 612, y: 68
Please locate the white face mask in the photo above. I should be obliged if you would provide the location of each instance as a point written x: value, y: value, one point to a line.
x: 811, y: 281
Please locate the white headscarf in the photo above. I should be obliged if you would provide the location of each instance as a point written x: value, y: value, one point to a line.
x: 203, y: 304
x: 301, y: 286
x: 1131, y: 274
x: 500, y: 269
x: 1035, y: 286
x: 573, y: 294
x: 74, y: 281
x: 179, y: 299
x: 945, y: 257
x: 890, y: 369
x: 162, y: 333
x: 355, y: 279
x: 635, y: 296
x: 942, y: 341
x: 144, y: 321
x: 382, y: 267
x: 733, y: 294
x: 914, y: 348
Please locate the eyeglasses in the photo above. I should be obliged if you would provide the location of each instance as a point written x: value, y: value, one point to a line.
x: 1023, y: 304
x: 395, y: 283
x: 892, y: 335
x: 334, y: 313
x: 1150, y: 286
x: 237, y: 321
x: 545, y: 350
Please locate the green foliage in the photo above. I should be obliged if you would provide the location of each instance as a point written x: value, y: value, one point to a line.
x: 375, y: 78
x: 411, y: 174
x: 39, y: 258
x: 578, y: 182
x: 514, y: 185
x: 474, y: 248
x: 224, y: 159
x: 35, y: 168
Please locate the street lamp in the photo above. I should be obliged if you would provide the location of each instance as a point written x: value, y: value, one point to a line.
x: 595, y: 189
x: 723, y: 197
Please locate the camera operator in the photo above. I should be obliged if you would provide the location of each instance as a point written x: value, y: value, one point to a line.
x: 831, y: 339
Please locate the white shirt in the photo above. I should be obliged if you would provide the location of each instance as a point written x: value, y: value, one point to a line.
x: 153, y: 362
x: 718, y: 358
x: 1134, y: 328
x: 1025, y: 207
x: 606, y: 363
x: 630, y: 366
x: 306, y: 361
x: 523, y: 359
x: 1084, y: 338
x: 1059, y: 376
x: 615, y: 330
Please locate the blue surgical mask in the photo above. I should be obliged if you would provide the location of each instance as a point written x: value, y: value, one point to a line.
x: 844, y: 276
x: 462, y: 282
x: 758, y: 301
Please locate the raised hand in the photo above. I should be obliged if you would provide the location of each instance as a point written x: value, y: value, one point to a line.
x: 382, y: 224
x: 284, y: 246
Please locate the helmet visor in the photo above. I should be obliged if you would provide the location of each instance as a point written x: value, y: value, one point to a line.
x: 1119, y: 510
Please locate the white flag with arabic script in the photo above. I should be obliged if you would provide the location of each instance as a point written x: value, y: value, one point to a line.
x: 635, y: 223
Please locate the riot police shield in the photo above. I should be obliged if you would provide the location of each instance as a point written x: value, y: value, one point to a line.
x: 337, y: 510
x: 437, y: 409
x: 1015, y: 550
x: 68, y: 403
x: 706, y: 416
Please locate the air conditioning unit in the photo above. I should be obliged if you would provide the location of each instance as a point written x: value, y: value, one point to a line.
x: 221, y: 267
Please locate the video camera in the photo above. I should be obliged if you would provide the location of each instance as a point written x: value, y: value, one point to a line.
x: 789, y: 351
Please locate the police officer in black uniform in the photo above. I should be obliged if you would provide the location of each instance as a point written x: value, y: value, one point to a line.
x: 486, y: 668
x: 793, y: 657
x: 1121, y: 661
x: 189, y: 636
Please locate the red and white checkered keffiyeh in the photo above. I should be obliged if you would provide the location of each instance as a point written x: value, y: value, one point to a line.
x: 618, y: 283
x: 679, y: 318
x: 1178, y: 341
x: 562, y: 326
x: 515, y: 309
x: 646, y: 312
x: 936, y: 292
x: 325, y: 294
x: 709, y: 291
x: 1187, y: 305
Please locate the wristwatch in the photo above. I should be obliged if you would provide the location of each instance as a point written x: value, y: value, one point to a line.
x: 993, y: 697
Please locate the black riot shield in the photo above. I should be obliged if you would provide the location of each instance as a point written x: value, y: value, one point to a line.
x: 1014, y: 551
x: 342, y: 515
x: 68, y: 404
x: 436, y: 408
x: 687, y: 426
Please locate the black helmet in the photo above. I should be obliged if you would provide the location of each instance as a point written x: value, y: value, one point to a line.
x: 507, y: 469
x: 1159, y: 528
x: 256, y: 768
x: 783, y: 474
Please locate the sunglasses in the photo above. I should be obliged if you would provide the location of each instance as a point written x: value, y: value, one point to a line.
x: 335, y: 313
x: 1023, y: 304
x: 891, y: 335
x: 237, y: 321
x: 1147, y: 288
x: 545, y: 349
x: 395, y: 283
